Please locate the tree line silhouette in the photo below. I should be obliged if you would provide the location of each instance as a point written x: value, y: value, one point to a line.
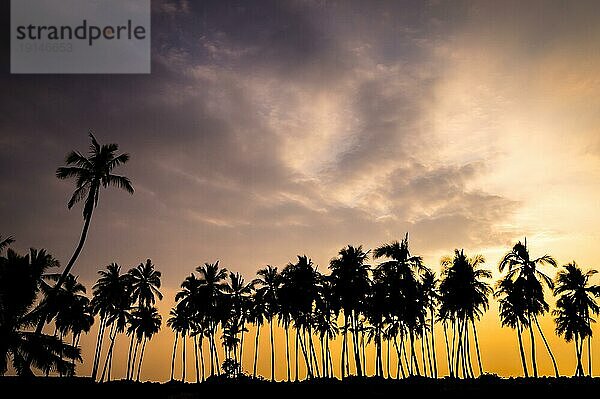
x: 396, y: 303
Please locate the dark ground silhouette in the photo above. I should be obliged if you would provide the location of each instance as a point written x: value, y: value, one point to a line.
x: 352, y: 387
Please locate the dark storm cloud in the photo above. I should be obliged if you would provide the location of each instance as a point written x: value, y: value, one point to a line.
x: 213, y: 135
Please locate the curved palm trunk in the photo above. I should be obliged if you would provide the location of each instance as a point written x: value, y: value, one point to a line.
x: 172, y: 359
x: 256, y: 350
x: 306, y: 357
x: 426, y: 337
x: 196, y: 358
x: 323, y: 358
x: 547, y: 346
x: 272, y: 351
x: 137, y: 378
x: 65, y: 273
x: 477, y: 347
x: 413, y: 356
x: 135, y: 353
x: 468, y: 358
x: 522, y: 351
x: 363, y: 351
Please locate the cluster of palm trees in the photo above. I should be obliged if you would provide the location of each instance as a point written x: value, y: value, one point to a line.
x: 396, y: 303
x: 125, y: 304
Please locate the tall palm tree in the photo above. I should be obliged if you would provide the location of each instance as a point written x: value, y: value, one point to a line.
x: 520, y: 265
x: 212, y: 283
x: 268, y: 283
x: 21, y: 278
x: 91, y: 173
x: 574, y: 308
x: 464, y: 299
x: 145, y: 284
x: 350, y: 283
x: 300, y: 289
x: 192, y: 307
x: 239, y: 294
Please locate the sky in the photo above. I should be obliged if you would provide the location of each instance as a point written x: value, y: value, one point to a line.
x: 269, y: 129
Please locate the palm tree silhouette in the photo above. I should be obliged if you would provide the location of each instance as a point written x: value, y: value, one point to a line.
x: 91, y: 173
x: 145, y: 284
x: 180, y: 322
x: 574, y: 307
x: 5, y: 242
x: 300, y: 288
x: 239, y: 292
x: 350, y: 283
x: 111, y: 300
x: 430, y: 296
x: 402, y: 290
x: 212, y: 283
x: 191, y: 309
x: 521, y: 266
x: 145, y: 323
x: 257, y: 314
x: 21, y: 279
x: 464, y: 299
x: 268, y: 283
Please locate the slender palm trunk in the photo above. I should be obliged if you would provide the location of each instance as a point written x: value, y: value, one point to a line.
x: 202, y: 356
x: 387, y: 341
x: 363, y: 351
x: 426, y: 337
x: 522, y: 351
x: 468, y: 350
x: 547, y: 346
x: 413, y: 356
x: 272, y: 350
x: 589, y: 353
x: 111, y: 335
x: 532, y: 340
x: 409, y: 367
x: 135, y: 353
x: 399, y: 366
x: 423, y: 353
x: 454, y: 366
x: 578, y: 352
x: 344, y: 341
x: 98, y: 347
x: 457, y: 353
x: 129, y: 357
x: 242, y: 347
x: 287, y: 350
x: 450, y: 372
x: 477, y: 347
x: 296, y: 355
x: 305, y: 353
x: 256, y: 350
x: 172, y: 359
x: 355, y: 344
x: 435, y: 370
x: 137, y: 378
x: 183, y: 359
x: 328, y: 350
x: 313, y: 354
x: 196, y: 358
